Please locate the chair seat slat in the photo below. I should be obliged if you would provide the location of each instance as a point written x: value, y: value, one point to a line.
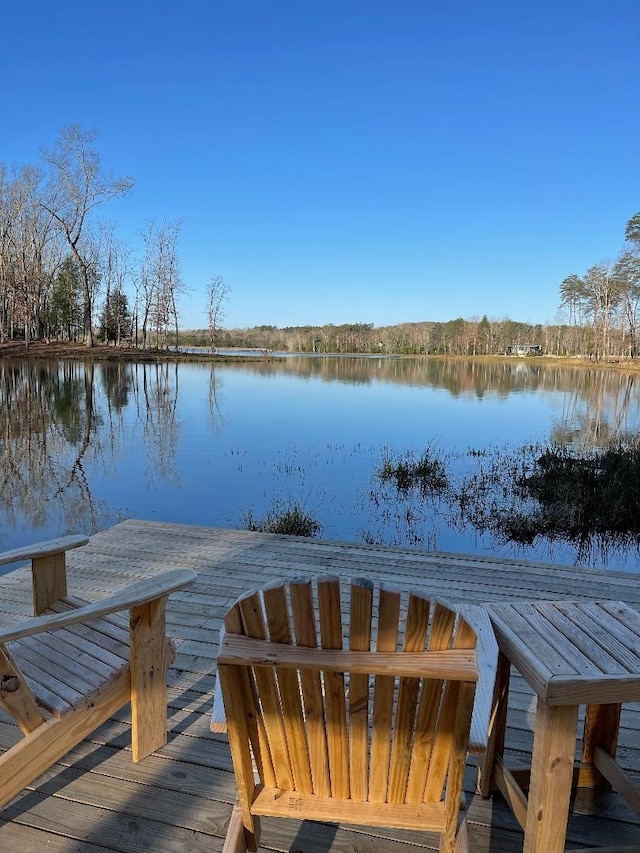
x: 79, y: 661
x: 107, y: 633
x: 55, y: 689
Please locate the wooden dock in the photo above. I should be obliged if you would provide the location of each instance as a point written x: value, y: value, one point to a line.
x: 97, y: 800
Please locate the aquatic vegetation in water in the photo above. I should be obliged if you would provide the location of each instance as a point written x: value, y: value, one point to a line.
x: 292, y: 520
x: 577, y: 496
x: 586, y: 498
x: 428, y: 473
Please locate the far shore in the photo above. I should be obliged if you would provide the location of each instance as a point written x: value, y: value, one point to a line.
x: 72, y: 350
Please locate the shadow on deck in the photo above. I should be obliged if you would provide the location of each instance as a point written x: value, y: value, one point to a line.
x: 180, y: 799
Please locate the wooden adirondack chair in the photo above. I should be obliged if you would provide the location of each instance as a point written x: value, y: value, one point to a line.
x: 66, y: 671
x: 374, y: 734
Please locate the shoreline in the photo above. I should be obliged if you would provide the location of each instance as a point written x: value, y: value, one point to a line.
x: 75, y: 351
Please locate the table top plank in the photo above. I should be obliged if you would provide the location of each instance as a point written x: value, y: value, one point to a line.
x: 582, y: 640
x: 592, y: 690
x: 612, y: 638
x: 552, y: 626
x: 627, y: 617
x: 529, y: 653
x: 514, y: 622
x: 572, y: 652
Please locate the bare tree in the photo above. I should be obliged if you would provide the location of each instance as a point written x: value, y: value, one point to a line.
x: 217, y: 296
x: 159, y: 280
x: 115, y: 271
x: 77, y: 186
x: 30, y: 253
x: 627, y: 273
x: 603, y: 294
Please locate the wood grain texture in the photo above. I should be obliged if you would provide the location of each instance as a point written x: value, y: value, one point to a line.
x: 16, y: 696
x: 551, y: 777
x: 43, y: 549
x: 360, y: 641
x: 330, y: 622
x: 182, y: 799
x: 148, y: 677
x: 383, y: 695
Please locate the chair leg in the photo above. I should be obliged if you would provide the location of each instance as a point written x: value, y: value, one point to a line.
x: 242, y: 833
x: 497, y: 726
x: 149, y: 663
x: 601, y: 728
x: 462, y: 838
x: 36, y: 752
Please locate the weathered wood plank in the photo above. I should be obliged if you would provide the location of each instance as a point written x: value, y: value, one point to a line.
x: 197, y: 763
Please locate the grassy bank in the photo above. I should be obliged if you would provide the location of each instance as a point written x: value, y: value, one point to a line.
x: 79, y: 352
x: 41, y: 349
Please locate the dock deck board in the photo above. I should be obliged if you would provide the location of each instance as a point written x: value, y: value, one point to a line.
x: 96, y: 799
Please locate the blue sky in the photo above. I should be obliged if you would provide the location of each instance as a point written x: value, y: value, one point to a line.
x: 349, y: 161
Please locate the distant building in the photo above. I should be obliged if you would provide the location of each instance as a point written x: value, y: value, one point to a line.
x: 523, y: 349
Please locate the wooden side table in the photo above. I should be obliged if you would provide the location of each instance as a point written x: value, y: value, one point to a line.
x: 571, y: 654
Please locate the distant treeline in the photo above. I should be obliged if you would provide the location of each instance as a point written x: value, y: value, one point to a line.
x: 598, y: 320
x: 65, y: 275
x: 456, y: 337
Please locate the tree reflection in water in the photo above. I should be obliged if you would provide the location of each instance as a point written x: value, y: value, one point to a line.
x: 73, y: 437
x: 59, y: 419
x: 493, y: 494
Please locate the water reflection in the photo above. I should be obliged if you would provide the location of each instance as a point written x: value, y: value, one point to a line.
x: 598, y: 405
x: 58, y: 420
x: 609, y: 394
x: 84, y: 444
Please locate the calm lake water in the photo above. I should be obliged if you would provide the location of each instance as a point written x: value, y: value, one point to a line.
x: 85, y: 445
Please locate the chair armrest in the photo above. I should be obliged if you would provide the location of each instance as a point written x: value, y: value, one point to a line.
x: 43, y: 549
x: 133, y: 595
x: 48, y: 568
x: 487, y: 659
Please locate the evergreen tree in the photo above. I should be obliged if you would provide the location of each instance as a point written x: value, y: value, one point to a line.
x: 116, y: 320
x: 65, y: 317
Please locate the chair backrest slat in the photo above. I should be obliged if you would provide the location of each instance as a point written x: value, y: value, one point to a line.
x: 330, y: 618
x: 383, y: 696
x: 359, y: 641
x: 383, y: 738
x: 277, y: 613
x: 415, y: 634
x: 304, y: 624
x: 246, y: 688
x: 253, y: 623
x: 445, y: 732
x: 442, y: 625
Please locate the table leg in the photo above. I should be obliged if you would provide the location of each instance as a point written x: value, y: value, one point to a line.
x: 601, y: 727
x: 497, y: 726
x: 554, y: 746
